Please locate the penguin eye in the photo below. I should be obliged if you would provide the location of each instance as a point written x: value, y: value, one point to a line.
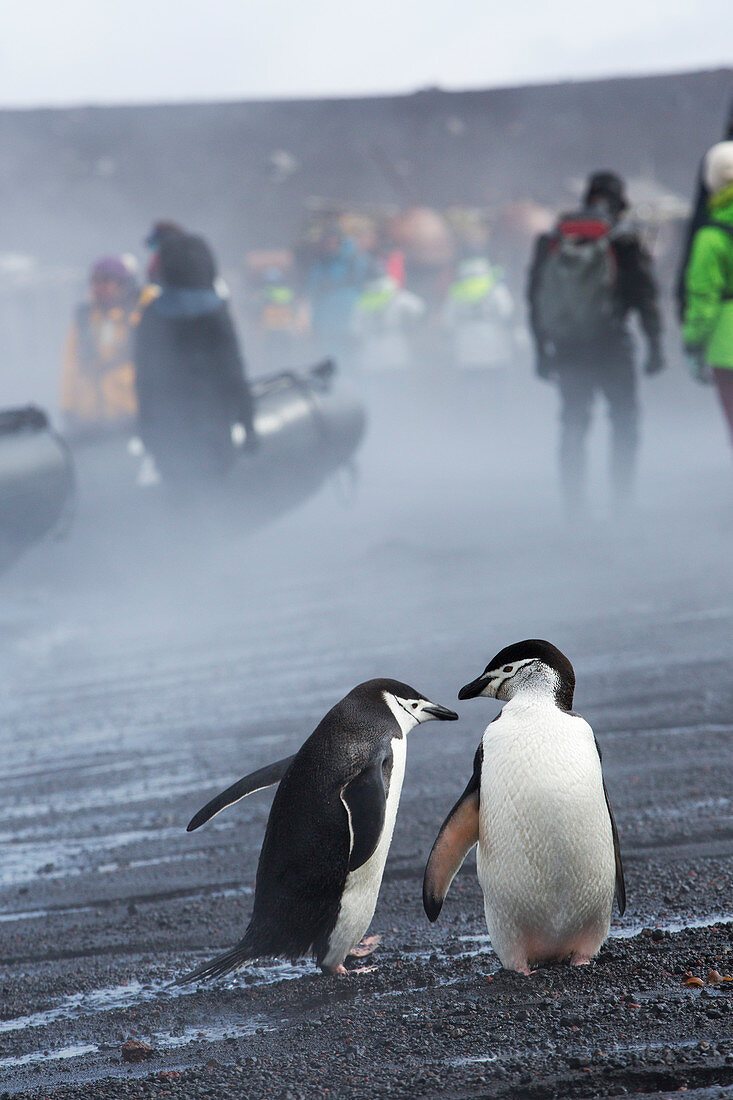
x: 413, y: 705
x: 507, y: 668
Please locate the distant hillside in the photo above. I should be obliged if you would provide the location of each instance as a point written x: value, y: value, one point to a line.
x: 74, y: 183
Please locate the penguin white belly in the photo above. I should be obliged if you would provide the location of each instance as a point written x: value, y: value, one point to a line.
x: 545, y: 857
x: 359, y: 899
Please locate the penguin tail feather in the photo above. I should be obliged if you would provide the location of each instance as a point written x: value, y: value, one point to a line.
x: 220, y: 964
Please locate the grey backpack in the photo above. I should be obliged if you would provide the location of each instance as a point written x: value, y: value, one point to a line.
x: 575, y: 293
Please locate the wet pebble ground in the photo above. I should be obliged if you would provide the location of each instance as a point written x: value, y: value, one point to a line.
x: 131, y: 696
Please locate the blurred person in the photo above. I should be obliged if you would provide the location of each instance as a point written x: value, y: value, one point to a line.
x: 428, y: 245
x: 98, y: 376
x: 707, y: 329
x: 383, y: 323
x: 587, y: 276
x: 160, y: 232
x: 194, y: 400
x: 478, y: 316
x: 388, y: 254
x: 278, y: 319
x: 333, y: 283
x: 698, y: 218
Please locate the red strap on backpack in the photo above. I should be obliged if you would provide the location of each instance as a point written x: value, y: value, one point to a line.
x: 586, y: 229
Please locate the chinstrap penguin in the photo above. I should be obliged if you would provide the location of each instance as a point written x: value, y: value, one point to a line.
x: 329, y: 829
x: 548, y: 857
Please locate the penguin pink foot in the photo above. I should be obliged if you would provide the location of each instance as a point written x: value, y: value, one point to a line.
x: 340, y: 971
x: 366, y: 948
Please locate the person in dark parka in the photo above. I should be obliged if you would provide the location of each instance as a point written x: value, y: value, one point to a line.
x: 190, y: 381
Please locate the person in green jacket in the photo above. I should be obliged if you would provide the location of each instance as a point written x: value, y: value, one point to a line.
x: 707, y: 329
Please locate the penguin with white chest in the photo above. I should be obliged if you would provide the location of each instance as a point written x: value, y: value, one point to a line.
x: 548, y: 857
x: 329, y: 829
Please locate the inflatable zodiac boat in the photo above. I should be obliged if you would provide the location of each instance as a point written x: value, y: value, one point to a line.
x: 36, y: 480
x: 307, y: 430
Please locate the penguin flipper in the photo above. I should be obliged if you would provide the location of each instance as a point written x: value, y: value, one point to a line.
x: 256, y: 781
x: 620, y: 883
x: 458, y: 834
x: 365, y: 800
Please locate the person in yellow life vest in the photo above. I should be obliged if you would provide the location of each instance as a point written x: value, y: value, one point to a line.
x: 478, y: 316
x: 98, y: 380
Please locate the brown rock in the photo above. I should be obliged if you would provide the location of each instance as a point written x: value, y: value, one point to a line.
x: 135, y: 1050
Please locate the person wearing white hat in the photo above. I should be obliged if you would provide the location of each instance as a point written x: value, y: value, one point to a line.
x: 707, y: 330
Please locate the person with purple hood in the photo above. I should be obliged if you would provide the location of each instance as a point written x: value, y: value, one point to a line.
x: 98, y: 376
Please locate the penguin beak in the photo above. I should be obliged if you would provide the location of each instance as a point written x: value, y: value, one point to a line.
x: 436, y: 711
x: 475, y: 688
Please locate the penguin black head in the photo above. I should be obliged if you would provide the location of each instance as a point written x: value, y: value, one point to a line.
x: 533, y: 665
x: 408, y: 706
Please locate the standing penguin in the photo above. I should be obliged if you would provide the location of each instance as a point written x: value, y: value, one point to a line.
x: 548, y: 856
x: 329, y: 830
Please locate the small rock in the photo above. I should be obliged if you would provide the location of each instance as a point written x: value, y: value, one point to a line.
x: 135, y: 1050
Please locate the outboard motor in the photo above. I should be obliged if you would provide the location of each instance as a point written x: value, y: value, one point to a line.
x: 36, y: 480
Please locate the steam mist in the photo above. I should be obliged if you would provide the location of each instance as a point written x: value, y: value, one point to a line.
x: 449, y: 539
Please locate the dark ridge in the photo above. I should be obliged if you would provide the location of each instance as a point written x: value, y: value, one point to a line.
x: 79, y: 181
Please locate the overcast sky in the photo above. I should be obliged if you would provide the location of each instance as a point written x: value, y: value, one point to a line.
x: 55, y: 52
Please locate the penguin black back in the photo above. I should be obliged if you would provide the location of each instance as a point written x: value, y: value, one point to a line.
x: 327, y: 820
x: 305, y: 855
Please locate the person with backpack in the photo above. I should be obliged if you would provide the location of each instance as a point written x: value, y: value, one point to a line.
x: 587, y: 276
x: 707, y: 329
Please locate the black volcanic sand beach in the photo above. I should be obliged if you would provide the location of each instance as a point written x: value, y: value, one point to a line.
x: 133, y: 690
